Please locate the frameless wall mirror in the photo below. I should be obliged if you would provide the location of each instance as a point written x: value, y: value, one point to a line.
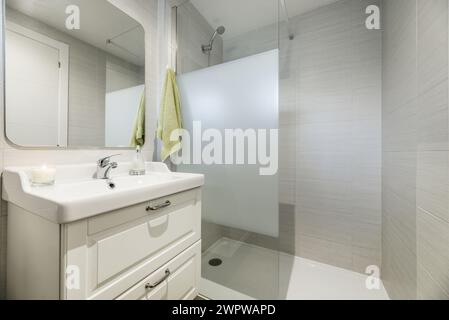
x: 74, y: 74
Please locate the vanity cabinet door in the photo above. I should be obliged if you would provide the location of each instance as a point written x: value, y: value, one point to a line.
x: 114, y: 251
x: 177, y: 280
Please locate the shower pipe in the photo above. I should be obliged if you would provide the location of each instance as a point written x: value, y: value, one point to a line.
x: 291, y: 35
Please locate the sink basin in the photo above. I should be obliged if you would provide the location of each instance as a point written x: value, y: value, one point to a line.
x: 76, y: 195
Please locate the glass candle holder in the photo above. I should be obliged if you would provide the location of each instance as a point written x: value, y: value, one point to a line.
x: 43, y: 176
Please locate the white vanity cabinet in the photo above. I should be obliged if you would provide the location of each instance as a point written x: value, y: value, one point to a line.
x: 147, y: 251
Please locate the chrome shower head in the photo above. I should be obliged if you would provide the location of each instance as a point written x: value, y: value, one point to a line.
x: 221, y: 30
x: 208, y: 48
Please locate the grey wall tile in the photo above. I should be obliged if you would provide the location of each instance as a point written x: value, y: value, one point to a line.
x: 329, y: 252
x: 338, y: 137
x: 362, y: 258
x: 432, y: 43
x: 428, y: 289
x: 433, y: 183
x: 415, y: 159
x: 433, y: 251
x: 432, y: 156
x: 399, y: 85
x: 398, y: 262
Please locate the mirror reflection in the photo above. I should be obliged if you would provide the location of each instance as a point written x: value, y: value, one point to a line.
x: 75, y: 74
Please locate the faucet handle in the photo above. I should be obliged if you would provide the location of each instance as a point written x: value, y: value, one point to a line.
x: 105, y: 161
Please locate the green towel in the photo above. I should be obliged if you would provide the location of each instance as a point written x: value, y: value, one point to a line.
x: 170, y: 117
x: 138, y: 135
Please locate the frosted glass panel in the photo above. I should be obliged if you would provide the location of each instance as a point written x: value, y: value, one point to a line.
x: 242, y: 94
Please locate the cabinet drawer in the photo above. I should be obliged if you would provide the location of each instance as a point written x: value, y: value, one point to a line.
x: 120, y: 251
x: 126, y: 216
x: 177, y: 280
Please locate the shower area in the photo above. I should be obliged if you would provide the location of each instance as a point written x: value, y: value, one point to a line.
x: 345, y: 203
x: 228, y: 74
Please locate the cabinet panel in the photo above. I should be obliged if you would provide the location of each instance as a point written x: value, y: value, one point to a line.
x: 113, y: 260
x: 32, y: 257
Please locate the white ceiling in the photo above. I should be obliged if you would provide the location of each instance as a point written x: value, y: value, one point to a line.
x: 241, y: 16
x: 100, y: 21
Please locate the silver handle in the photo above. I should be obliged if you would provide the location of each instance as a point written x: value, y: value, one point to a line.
x: 152, y: 286
x: 105, y: 161
x: 159, y: 206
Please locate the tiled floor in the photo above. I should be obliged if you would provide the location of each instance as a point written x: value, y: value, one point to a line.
x: 251, y: 272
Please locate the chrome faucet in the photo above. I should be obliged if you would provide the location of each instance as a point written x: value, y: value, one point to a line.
x: 104, y: 167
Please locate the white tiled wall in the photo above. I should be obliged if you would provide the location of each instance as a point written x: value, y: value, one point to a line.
x: 416, y: 149
x: 144, y: 11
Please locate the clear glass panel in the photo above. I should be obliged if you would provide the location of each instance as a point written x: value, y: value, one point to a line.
x: 230, y: 82
x: 330, y: 148
x: 244, y: 28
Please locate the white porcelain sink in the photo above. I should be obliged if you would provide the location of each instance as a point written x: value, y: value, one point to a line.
x: 76, y: 195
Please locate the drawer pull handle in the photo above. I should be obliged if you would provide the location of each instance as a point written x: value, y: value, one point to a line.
x: 152, y: 286
x: 159, y: 206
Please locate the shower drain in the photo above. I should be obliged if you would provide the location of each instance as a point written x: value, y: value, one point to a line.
x: 215, y: 262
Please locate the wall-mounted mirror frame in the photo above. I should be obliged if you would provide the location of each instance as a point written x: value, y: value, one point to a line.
x: 68, y: 146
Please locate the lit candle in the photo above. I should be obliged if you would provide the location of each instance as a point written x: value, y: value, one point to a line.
x: 43, y: 176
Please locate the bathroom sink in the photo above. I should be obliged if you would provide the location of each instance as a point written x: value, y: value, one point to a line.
x: 76, y: 195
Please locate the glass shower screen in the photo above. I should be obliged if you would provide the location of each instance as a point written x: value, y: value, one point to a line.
x: 235, y: 105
